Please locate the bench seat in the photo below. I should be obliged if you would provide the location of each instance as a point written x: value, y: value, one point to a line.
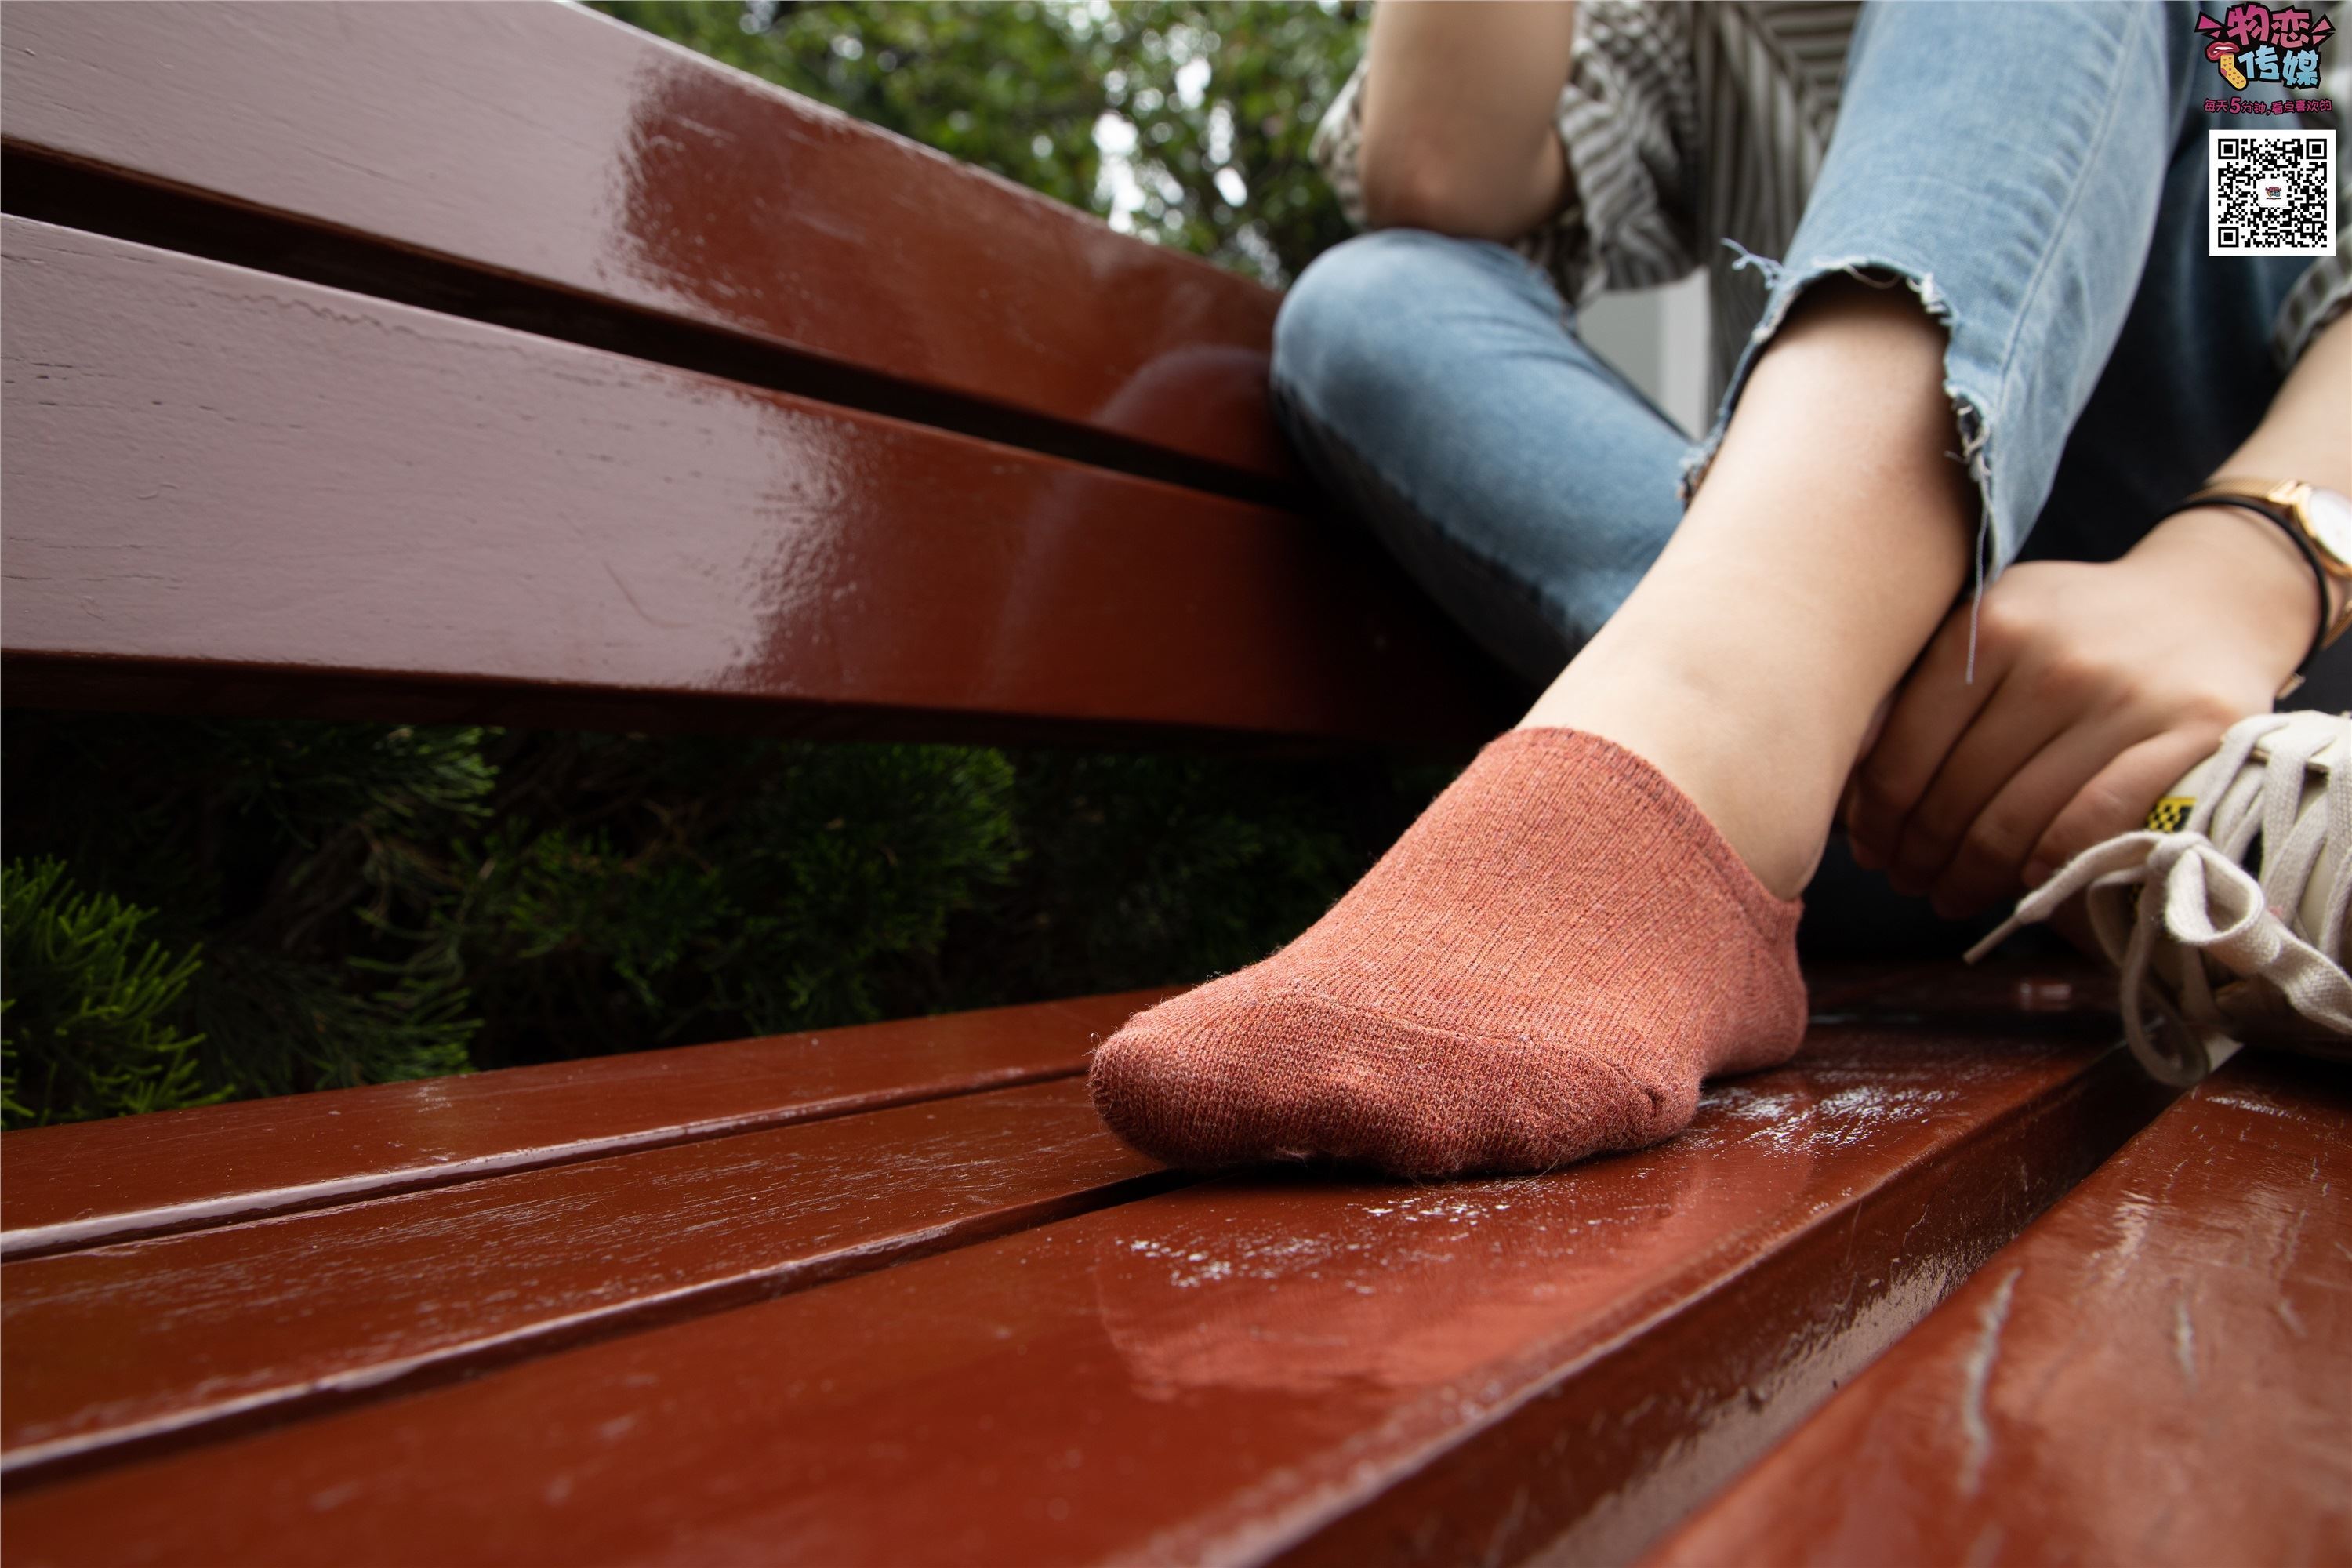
x: 979, y: 1329
x: 2158, y: 1371
x: 130, y: 1341
x: 84, y: 1183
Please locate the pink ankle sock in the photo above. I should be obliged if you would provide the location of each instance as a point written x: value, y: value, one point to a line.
x: 1542, y: 968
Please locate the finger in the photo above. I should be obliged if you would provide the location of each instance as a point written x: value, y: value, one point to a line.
x: 1850, y: 792
x: 2117, y: 798
x: 1932, y: 710
x: 1847, y: 797
x: 1988, y: 862
x: 2035, y: 704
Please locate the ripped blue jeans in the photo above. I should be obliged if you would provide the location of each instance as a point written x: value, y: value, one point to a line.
x: 2054, y: 219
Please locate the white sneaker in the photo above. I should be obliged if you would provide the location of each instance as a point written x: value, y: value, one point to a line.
x: 2220, y: 957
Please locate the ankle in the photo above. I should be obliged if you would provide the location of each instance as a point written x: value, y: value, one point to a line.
x: 1759, y: 768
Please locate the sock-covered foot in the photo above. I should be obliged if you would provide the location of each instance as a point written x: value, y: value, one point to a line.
x: 1542, y: 968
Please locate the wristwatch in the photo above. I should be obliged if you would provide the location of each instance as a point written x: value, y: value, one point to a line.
x: 2320, y: 523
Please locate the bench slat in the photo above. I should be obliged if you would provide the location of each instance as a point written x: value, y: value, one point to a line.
x: 213, y: 470
x: 92, y: 1183
x: 2158, y: 1371
x: 134, y: 1342
x: 551, y: 145
x: 1341, y: 1372
x: 89, y: 1183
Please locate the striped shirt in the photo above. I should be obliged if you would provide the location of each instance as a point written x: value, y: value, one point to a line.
x: 1687, y: 123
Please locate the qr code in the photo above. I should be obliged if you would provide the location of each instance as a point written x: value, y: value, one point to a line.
x: 2274, y: 192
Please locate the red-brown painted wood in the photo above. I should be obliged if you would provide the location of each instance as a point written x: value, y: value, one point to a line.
x: 89, y: 1183
x: 2158, y: 1371
x: 138, y: 1341
x: 1949, y: 997
x: 545, y: 144
x: 213, y: 470
x: 1254, y: 1368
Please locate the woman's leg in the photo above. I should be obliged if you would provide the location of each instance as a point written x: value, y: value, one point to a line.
x: 1826, y: 547
x: 1598, y: 913
x: 1835, y: 509
x: 1434, y: 387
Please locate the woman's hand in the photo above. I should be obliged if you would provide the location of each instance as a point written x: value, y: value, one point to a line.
x: 2096, y: 687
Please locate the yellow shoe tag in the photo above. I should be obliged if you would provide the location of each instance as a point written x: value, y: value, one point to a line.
x: 2171, y: 813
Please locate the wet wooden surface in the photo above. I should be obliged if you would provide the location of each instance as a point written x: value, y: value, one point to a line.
x: 547, y: 145
x: 93, y: 1182
x: 96, y: 1182
x: 148, y: 1341
x: 1247, y: 1369
x: 143, y: 1340
x: 213, y: 471
x: 2158, y: 1371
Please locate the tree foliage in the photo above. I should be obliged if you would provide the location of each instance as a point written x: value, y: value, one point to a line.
x: 261, y: 907
x: 86, y: 1028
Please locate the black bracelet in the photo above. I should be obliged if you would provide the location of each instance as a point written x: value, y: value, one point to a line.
x: 2310, y: 556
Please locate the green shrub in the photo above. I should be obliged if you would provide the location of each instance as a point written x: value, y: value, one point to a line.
x: 380, y: 902
x: 86, y: 1027
x: 646, y: 891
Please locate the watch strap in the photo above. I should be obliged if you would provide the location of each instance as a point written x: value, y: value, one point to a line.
x: 2331, y: 622
x: 2293, y: 498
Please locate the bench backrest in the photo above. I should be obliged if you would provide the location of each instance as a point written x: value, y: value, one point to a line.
x: 507, y: 363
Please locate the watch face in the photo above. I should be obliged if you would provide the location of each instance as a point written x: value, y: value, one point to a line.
x: 2330, y: 514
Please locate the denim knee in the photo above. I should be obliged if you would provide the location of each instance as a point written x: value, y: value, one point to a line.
x: 1354, y: 329
x: 1337, y: 328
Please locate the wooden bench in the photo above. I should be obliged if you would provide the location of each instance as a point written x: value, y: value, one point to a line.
x: 2158, y: 1371
x: 503, y: 364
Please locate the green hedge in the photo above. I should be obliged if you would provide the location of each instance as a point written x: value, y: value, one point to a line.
x: 198, y: 908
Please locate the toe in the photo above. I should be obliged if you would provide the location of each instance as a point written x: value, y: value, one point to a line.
x: 1215, y: 1079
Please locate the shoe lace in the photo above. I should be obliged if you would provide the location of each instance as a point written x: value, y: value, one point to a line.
x: 2163, y: 904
